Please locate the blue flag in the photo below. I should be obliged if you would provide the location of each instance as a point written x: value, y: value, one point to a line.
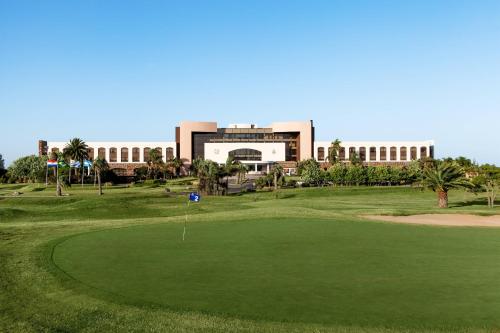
x: 195, y: 197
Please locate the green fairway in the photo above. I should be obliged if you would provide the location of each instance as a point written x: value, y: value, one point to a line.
x: 309, y: 270
x: 306, y: 261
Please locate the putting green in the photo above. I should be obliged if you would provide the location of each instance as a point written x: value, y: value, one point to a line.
x: 309, y: 270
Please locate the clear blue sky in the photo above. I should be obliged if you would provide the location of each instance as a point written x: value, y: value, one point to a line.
x: 362, y: 70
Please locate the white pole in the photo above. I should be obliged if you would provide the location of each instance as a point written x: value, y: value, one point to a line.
x: 185, y: 221
x: 46, y: 175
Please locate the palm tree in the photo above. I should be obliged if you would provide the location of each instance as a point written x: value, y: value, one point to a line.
x: 333, y: 151
x: 277, y: 172
x: 175, y: 163
x: 242, y: 170
x: 99, y: 165
x: 154, y: 161
x: 444, y: 177
x: 76, y: 150
x: 60, y: 159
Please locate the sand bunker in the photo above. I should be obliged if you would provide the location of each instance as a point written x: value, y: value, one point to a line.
x: 460, y: 220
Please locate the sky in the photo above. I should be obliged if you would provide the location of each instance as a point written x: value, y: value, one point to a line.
x: 361, y: 70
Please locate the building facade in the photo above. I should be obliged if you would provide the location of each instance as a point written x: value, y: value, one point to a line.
x: 258, y: 147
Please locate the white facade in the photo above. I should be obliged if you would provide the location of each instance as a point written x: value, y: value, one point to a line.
x: 271, y: 151
x: 167, y: 149
x: 395, y: 151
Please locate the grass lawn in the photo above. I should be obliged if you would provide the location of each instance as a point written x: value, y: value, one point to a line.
x: 306, y: 261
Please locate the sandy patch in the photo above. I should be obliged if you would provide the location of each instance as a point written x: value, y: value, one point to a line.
x: 460, y: 220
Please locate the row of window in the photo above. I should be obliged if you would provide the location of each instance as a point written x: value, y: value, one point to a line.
x: 372, y: 153
x: 113, y: 154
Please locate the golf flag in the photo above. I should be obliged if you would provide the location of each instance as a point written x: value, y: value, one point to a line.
x: 87, y: 164
x: 194, y: 197
x: 51, y: 163
x: 61, y: 164
x: 75, y: 164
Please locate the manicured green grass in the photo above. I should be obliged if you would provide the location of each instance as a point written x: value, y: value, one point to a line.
x: 306, y: 261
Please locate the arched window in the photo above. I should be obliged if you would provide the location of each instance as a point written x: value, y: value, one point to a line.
x: 394, y: 153
x: 124, y: 154
x: 90, y: 153
x: 383, y: 154
x: 112, y: 154
x: 246, y: 154
x: 321, y: 154
x: 136, y: 154
x: 146, y: 154
x: 169, y: 153
x: 402, y: 154
x: 413, y: 153
x: 362, y: 153
x: 373, y: 154
x: 101, y: 153
x: 423, y: 152
x: 342, y: 154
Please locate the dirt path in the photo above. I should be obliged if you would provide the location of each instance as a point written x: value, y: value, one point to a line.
x: 460, y: 220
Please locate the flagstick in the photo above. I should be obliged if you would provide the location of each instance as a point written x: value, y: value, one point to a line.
x: 185, y: 221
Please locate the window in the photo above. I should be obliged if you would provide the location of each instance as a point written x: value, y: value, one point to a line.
x: 135, y: 154
x: 112, y: 154
x: 160, y: 152
x: 90, y: 153
x: 423, y: 152
x: 342, y: 154
x: 373, y: 153
x: 170, y: 153
x: 246, y: 154
x: 383, y: 154
x: 394, y: 153
x: 321, y: 154
x: 413, y: 153
x: 362, y: 153
x: 101, y: 153
x: 124, y: 153
x: 402, y: 153
x: 146, y: 154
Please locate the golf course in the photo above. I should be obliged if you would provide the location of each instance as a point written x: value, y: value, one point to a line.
x: 305, y: 259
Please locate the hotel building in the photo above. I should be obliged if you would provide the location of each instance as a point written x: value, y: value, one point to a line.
x: 259, y: 147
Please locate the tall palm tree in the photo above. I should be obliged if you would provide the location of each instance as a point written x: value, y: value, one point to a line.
x: 444, y: 177
x: 333, y: 151
x: 100, y: 165
x: 76, y: 150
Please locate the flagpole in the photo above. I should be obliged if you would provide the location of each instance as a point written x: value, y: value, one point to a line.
x: 46, y: 175
x: 185, y: 221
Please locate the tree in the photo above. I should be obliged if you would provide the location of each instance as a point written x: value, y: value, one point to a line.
x: 310, y: 171
x: 154, y: 162
x: 488, y: 180
x: 175, y: 163
x: 28, y: 168
x: 444, y: 177
x: 277, y: 172
x: 333, y: 151
x: 2, y: 162
x: 100, y: 165
x: 76, y: 150
x: 355, y: 159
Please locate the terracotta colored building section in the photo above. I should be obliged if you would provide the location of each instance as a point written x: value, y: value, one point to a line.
x: 306, y: 136
x: 186, y: 130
